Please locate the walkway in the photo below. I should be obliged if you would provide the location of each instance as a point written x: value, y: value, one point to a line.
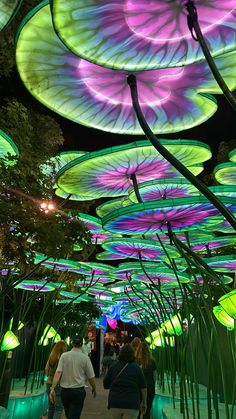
x: 96, y: 407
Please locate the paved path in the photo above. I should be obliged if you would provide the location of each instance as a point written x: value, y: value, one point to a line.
x: 96, y: 407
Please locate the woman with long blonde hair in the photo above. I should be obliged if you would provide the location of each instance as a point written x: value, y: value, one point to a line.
x: 54, y: 409
x: 147, y: 363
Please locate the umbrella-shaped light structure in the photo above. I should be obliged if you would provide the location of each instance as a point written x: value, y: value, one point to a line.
x: 164, y: 189
x: 225, y: 173
x: 172, y: 99
x: 39, y: 286
x: 232, y: 155
x: 109, y: 172
x: 139, y: 34
x: 8, y: 10
x: 154, y: 216
x: 162, y: 277
x: 139, y: 248
x: 224, y: 263
x: 7, y: 148
x: 94, y: 225
x: 55, y: 164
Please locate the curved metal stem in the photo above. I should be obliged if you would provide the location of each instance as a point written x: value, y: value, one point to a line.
x: 193, y: 24
x: 171, y: 159
x: 136, y: 189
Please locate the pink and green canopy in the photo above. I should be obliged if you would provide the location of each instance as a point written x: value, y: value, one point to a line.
x: 172, y: 99
x: 109, y: 256
x: 142, y: 34
x: 225, y: 173
x: 111, y: 205
x: 161, y: 276
x: 213, y: 243
x: 152, y: 217
x: 226, y: 263
x: 108, y: 172
x: 164, y: 189
x: 7, y: 147
x: 139, y: 248
x: 30, y: 285
x: 94, y: 225
x: 58, y: 264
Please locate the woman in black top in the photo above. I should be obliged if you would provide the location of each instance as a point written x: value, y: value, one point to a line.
x: 125, y: 379
x: 147, y: 363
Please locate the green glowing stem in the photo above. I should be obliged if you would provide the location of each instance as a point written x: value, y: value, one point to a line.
x: 193, y: 24
x: 171, y: 159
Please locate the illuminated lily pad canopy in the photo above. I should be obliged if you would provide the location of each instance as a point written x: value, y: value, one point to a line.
x: 225, y: 263
x: 164, y: 189
x: 161, y: 276
x: 57, y: 264
x: 106, y: 255
x: 225, y: 173
x: 137, y: 34
x: 60, y: 160
x: 152, y: 217
x: 111, y: 205
x: 30, y: 285
x: 55, y: 164
x: 7, y: 147
x: 232, y: 155
x: 94, y: 224
x: 172, y: 99
x: 213, y: 242
x: 108, y: 172
x: 138, y: 248
x: 8, y: 9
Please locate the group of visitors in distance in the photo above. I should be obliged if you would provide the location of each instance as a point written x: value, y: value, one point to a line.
x: 130, y: 379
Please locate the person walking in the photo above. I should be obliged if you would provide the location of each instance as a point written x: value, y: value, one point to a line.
x: 86, y: 347
x: 54, y: 409
x: 147, y: 363
x: 127, y: 385
x: 73, y: 371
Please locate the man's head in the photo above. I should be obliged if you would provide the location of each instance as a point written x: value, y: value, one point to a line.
x: 77, y: 341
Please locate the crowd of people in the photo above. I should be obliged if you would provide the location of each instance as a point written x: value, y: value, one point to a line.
x: 129, y: 374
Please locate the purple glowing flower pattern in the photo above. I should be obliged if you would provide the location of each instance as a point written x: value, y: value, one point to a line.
x: 164, y: 276
x: 212, y: 243
x: 164, y: 189
x: 108, y: 172
x: 144, y: 249
x: 152, y: 217
x: 142, y: 34
x: 172, y: 99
